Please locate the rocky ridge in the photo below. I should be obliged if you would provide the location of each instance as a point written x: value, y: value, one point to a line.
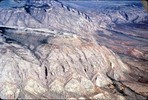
x: 64, y: 61
x: 47, y: 14
x: 58, y: 66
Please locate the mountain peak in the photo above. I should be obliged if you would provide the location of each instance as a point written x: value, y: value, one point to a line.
x: 47, y: 14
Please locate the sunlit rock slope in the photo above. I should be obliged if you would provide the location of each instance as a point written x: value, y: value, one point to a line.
x: 48, y: 51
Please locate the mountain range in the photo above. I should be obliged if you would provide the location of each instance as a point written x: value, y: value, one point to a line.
x: 51, y: 49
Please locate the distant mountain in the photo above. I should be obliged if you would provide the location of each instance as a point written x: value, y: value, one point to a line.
x: 112, y: 12
x: 46, y: 14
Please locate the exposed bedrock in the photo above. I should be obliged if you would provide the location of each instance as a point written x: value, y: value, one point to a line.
x: 61, y: 67
x: 49, y: 52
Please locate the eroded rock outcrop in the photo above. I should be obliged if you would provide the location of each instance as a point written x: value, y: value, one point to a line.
x: 62, y: 67
x: 60, y: 61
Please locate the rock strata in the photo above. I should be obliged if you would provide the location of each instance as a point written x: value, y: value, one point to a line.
x: 61, y: 67
x: 62, y: 61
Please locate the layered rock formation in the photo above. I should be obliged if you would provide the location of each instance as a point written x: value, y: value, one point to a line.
x: 47, y: 51
x: 61, y: 66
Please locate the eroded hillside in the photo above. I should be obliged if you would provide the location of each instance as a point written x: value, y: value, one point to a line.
x: 50, y: 50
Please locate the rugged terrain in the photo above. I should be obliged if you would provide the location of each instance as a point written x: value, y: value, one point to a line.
x: 50, y: 50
